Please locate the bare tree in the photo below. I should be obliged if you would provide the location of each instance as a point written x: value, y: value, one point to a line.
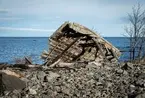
x: 136, y: 32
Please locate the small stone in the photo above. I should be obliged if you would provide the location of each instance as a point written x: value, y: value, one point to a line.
x: 127, y: 66
x: 140, y: 96
x: 44, y: 96
x: 32, y: 91
x: 99, y: 84
x: 125, y: 72
x: 66, y: 91
x: 132, y: 86
x: 15, y: 96
x: 41, y: 76
x: 58, y: 89
x: 52, y: 76
x: 119, y: 71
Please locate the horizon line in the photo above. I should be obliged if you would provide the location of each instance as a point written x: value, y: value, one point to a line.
x: 49, y: 36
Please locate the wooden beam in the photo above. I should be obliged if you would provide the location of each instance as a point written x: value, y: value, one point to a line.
x: 58, y: 57
x: 100, y: 49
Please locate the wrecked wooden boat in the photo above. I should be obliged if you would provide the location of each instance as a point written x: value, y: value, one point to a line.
x: 73, y: 42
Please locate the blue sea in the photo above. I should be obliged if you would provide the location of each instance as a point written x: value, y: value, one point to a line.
x: 12, y: 48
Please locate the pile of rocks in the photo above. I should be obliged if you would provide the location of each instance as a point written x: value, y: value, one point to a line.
x: 102, y: 80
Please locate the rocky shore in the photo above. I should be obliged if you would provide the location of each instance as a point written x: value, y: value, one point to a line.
x: 82, y: 80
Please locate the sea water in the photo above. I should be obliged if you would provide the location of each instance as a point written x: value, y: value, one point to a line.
x: 12, y: 48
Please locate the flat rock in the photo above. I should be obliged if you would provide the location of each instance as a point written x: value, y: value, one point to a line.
x: 12, y: 83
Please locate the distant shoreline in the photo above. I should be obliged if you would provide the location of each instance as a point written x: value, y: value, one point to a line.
x: 48, y: 37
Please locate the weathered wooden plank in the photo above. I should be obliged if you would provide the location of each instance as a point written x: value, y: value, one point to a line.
x: 59, y: 46
x: 62, y: 43
x: 101, y: 50
x: 58, y: 57
x: 57, y: 49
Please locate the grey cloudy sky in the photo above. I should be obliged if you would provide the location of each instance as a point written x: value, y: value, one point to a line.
x: 43, y: 17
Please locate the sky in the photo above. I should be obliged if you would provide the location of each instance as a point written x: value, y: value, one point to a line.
x: 40, y: 18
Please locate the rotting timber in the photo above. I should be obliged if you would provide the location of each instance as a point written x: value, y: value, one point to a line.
x: 73, y: 42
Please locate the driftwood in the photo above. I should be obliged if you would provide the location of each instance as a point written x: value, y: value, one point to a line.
x: 27, y: 61
x: 12, y: 73
x: 3, y: 66
x: 62, y: 64
x: 22, y: 66
x: 73, y: 42
x: 55, y: 63
x: 25, y: 66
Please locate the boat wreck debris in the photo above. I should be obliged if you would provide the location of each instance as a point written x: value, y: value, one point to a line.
x: 73, y: 42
